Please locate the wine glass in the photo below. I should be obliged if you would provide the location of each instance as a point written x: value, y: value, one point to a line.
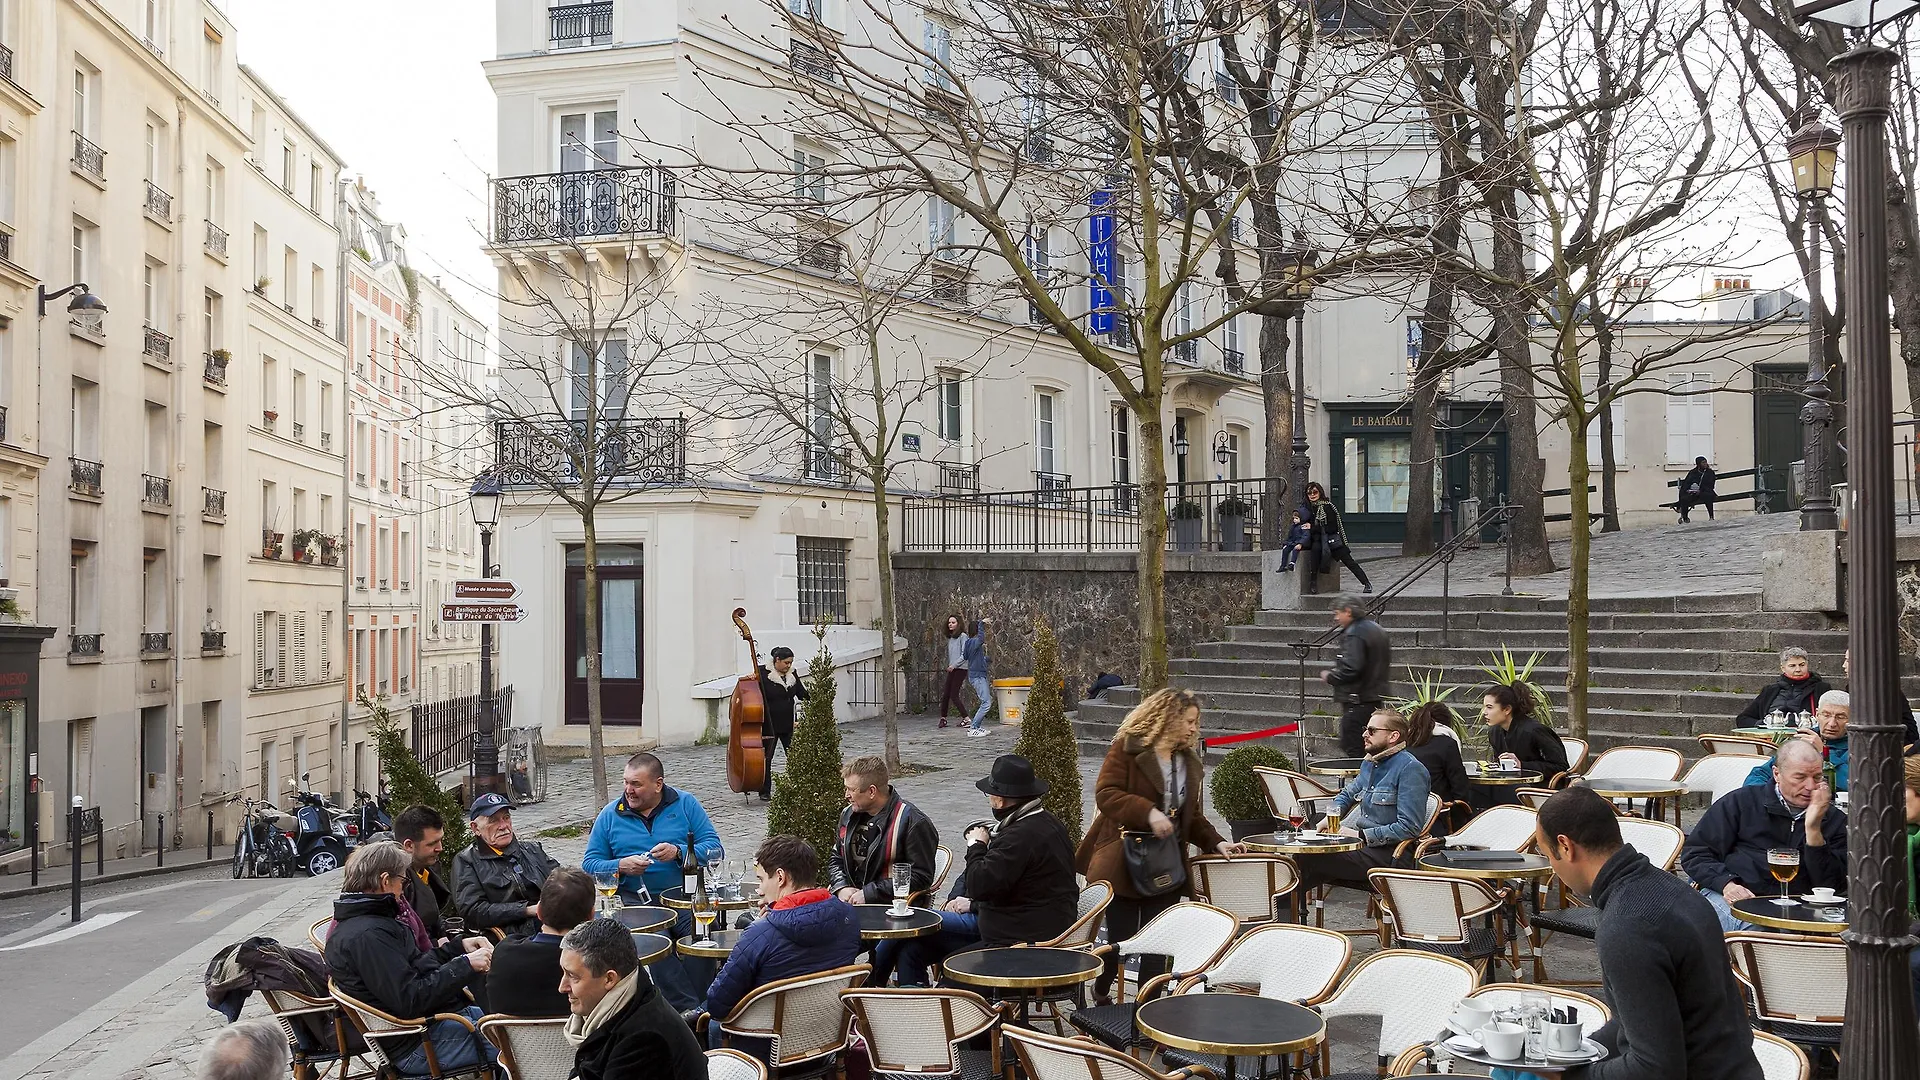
x: 736, y: 871
x: 1784, y: 864
x: 703, y: 916
x: 1296, y: 818
x: 607, y: 885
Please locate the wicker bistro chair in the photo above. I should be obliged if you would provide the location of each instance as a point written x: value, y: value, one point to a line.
x: 1194, y: 935
x: 1249, y: 886
x: 1085, y: 930
x: 317, y: 933
x: 530, y: 1049
x: 942, y: 863
x: 321, y: 1038
x: 1505, y: 827
x: 1052, y: 1057
x: 1721, y: 773
x: 1404, y: 854
x: 1657, y: 840
x: 381, y: 1028
x: 1780, y: 1059
x: 1797, y: 984
x: 914, y: 1032
x: 1434, y: 911
x: 1737, y: 744
x: 1577, y: 752
x: 1285, y: 790
x: 1284, y: 961
x: 732, y: 1065
x: 802, y: 1017
x: 1412, y: 993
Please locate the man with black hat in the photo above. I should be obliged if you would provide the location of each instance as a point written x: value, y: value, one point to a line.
x: 779, y: 688
x: 1019, y: 885
x: 497, y: 879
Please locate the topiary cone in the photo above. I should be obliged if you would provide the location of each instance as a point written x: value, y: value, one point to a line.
x: 1046, y: 739
x: 808, y: 795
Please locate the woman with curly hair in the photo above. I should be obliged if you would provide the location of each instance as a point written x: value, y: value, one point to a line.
x: 1149, y: 782
x: 1516, y: 738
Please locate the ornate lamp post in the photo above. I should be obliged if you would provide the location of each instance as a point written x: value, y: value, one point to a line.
x: 1302, y: 259
x: 1814, y: 151
x: 484, y: 498
x: 1880, y: 1040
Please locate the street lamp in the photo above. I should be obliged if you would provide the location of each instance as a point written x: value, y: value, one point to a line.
x: 1221, y: 453
x: 1300, y: 262
x: 1814, y: 150
x: 83, y: 299
x: 1179, y: 443
x: 1880, y: 1040
x: 484, y: 499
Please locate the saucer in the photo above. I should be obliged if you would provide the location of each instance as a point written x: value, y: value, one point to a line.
x: 1589, y: 1051
x: 1463, y: 1043
x: 1815, y: 901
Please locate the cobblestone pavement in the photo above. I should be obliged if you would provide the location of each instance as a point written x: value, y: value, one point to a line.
x: 154, y: 1028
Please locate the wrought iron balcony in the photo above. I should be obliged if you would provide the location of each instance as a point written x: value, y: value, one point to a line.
x: 960, y: 479
x: 629, y: 451
x: 1186, y: 352
x: 159, y: 490
x: 326, y: 440
x: 3, y: 423
x: 88, y: 157
x: 91, y: 325
x: 213, y: 503
x: 216, y: 240
x: 815, y: 253
x: 1233, y: 361
x: 156, y: 643
x: 158, y: 347
x: 213, y: 640
x: 1039, y: 148
x: 825, y: 466
x: 576, y: 26
x: 215, y: 371
x: 6, y: 64
x: 6, y: 246
x: 159, y: 203
x: 558, y: 207
x: 84, y: 644
x: 1051, y: 487
x: 85, y: 478
x: 299, y: 431
x: 812, y: 61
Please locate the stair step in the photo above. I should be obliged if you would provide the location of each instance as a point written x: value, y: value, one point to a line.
x: 1691, y: 602
x: 1689, y: 636
x: 1759, y: 665
x: 1472, y: 619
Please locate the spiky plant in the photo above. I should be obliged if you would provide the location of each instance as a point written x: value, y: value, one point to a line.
x: 1503, y: 668
x: 409, y: 783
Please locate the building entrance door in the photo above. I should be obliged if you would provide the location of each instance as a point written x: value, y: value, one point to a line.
x: 1776, y: 434
x: 621, y: 681
x: 156, y: 777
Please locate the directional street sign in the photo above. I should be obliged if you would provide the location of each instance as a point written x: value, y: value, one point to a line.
x: 485, y: 589
x: 482, y: 612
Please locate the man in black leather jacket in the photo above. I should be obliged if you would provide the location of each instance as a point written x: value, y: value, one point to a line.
x: 1360, y: 674
x: 497, y: 879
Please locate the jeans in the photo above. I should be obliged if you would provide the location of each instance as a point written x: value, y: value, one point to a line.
x: 984, y: 690
x: 683, y: 979
x: 1913, y: 967
x: 957, y: 931
x: 1289, y: 555
x: 454, y: 1047
x: 1728, y: 920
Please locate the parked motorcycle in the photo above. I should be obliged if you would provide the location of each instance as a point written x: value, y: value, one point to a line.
x: 320, y: 835
x: 262, y: 847
x: 371, y: 815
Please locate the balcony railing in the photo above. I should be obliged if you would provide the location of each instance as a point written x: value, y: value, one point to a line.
x: 84, y: 644
x: 6, y: 246
x: 159, y: 203
x: 1051, y: 486
x: 213, y: 503
x: 159, y: 490
x: 6, y: 64
x: 88, y: 157
x: 959, y: 478
x: 85, y: 478
x: 553, y: 207
x: 215, y: 371
x: 299, y: 431
x: 326, y: 440
x: 1186, y: 352
x: 576, y: 26
x: 156, y: 643
x: 815, y: 253
x: 825, y: 466
x: 629, y: 451
x: 91, y: 325
x: 1213, y: 515
x: 158, y: 347
x: 213, y: 640
x: 3, y: 423
x: 1233, y: 361
x: 812, y: 61
x: 216, y: 240
x: 1039, y: 148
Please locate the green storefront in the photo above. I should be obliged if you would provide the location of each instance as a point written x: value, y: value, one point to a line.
x: 1369, y: 463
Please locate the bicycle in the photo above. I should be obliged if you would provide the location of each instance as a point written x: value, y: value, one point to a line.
x: 260, y: 849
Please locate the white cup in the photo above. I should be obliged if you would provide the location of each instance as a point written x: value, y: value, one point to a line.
x: 1503, y: 1042
x: 1472, y: 1015
x: 1825, y: 896
x: 1564, y: 1038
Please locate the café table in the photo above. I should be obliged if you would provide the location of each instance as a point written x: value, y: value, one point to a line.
x: 1800, y: 917
x: 676, y: 898
x: 1336, y: 766
x: 1777, y: 734
x: 723, y: 943
x: 1230, y: 1026
x: 1292, y: 843
x: 652, y: 947
x: 1493, y: 865
x: 644, y: 919
x: 878, y: 923
x: 1022, y: 972
x: 1498, y: 777
x: 1655, y: 791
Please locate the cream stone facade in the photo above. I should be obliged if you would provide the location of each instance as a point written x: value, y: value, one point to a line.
x: 454, y: 441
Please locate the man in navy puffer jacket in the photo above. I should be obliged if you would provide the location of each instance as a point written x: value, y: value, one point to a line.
x: 805, y: 930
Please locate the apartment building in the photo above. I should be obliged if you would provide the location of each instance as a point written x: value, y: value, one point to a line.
x: 293, y: 485
x: 455, y: 447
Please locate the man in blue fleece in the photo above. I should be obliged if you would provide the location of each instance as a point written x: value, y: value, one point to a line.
x: 806, y: 930
x: 639, y: 836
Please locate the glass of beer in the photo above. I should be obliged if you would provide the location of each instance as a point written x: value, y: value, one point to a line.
x: 1331, y: 826
x: 1783, y: 863
x: 703, y: 916
x: 902, y: 888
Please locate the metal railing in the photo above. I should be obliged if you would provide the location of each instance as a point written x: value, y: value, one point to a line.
x: 551, y: 207
x: 88, y: 157
x: 628, y: 451
x: 1186, y: 352
x: 962, y: 479
x: 6, y: 246
x: 85, y: 476
x: 158, y: 490
x: 84, y: 644
x: 215, y: 370
x: 159, y: 203
x: 213, y: 640
x: 92, y: 324
x: 816, y: 253
x: 824, y: 466
x: 216, y: 241
x: 299, y: 431
x: 3, y: 423
x: 326, y: 440
x: 213, y: 502
x: 575, y: 26
x: 6, y: 64
x: 812, y: 61
x: 1213, y: 515
x: 158, y: 346
x: 156, y: 643
x: 1233, y: 361
x: 443, y: 731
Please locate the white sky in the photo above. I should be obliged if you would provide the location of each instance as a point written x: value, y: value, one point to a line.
x: 395, y: 89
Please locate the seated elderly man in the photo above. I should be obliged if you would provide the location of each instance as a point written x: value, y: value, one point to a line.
x: 1761, y: 775
x: 806, y: 930
x: 1385, y: 805
x: 1726, y: 854
x: 497, y: 879
x: 379, y: 960
x: 253, y: 1049
x: 1797, y: 690
x: 620, y: 1025
x: 526, y: 970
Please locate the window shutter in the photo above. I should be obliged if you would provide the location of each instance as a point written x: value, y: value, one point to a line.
x: 300, y: 647
x: 280, y: 649
x: 326, y: 645
x: 259, y: 648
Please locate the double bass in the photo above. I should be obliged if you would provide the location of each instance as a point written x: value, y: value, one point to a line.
x: 746, y: 718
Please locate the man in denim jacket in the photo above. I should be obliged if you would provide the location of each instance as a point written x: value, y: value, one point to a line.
x: 1384, y: 806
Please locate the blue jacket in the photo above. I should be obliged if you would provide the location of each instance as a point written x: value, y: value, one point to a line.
x: 1392, y: 799
x: 786, y: 942
x: 976, y: 651
x: 619, y: 832
x: 1296, y: 535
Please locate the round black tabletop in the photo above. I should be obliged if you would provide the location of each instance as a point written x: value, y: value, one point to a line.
x: 877, y: 923
x: 1022, y: 968
x: 676, y: 897
x: 723, y: 943
x: 1292, y: 844
x: 652, y: 947
x: 1636, y: 787
x: 1803, y: 917
x: 642, y: 919
x: 1497, y: 776
x: 1336, y: 766
x: 1234, y: 1025
x: 1488, y: 865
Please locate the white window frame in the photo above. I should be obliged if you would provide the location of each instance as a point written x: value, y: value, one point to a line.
x: 942, y: 228
x: 1046, y: 431
x: 1619, y: 410
x: 1689, y: 419
x: 936, y: 41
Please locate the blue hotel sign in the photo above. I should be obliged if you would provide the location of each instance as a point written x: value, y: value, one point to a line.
x: 1100, y: 262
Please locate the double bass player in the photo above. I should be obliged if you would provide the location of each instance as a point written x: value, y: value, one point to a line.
x: 780, y: 687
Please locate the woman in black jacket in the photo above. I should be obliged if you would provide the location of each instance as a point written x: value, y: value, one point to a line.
x: 779, y: 688
x: 1517, y: 738
x: 1430, y: 740
x: 1327, y: 540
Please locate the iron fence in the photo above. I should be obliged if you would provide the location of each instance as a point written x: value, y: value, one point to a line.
x: 159, y: 203
x: 156, y: 642
x: 444, y: 731
x: 88, y: 157
x: 574, y: 26
x: 213, y: 502
x: 551, y: 207
x: 85, y: 476
x: 1213, y: 515
x: 215, y: 369
x: 158, y: 490
x: 216, y: 242
x: 158, y: 346
x: 630, y: 450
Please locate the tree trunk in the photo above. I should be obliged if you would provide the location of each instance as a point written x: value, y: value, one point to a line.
x: 1609, y: 480
x: 1526, y: 474
x: 883, y: 535
x: 1276, y: 396
x: 1436, y: 325
x: 1152, y: 559
x: 1578, y: 472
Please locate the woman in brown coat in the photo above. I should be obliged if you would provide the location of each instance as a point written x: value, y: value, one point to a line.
x: 1150, y: 781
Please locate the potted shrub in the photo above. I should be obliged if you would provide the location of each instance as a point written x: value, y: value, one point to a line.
x: 1188, y: 525
x: 302, y: 543
x: 1238, y: 794
x: 271, y: 543
x: 329, y: 548
x: 1234, y: 512
x: 270, y: 415
x: 260, y: 284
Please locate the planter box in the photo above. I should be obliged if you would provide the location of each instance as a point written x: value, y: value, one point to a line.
x: 1233, y: 533
x: 1187, y: 533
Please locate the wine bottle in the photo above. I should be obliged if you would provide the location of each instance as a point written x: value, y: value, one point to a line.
x: 690, y: 877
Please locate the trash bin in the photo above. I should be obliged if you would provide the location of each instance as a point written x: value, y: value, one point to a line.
x: 1011, y: 697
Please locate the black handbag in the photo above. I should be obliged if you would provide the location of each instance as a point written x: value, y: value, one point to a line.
x: 1156, y: 865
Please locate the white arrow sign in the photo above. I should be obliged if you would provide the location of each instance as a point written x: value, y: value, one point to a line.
x: 482, y: 612
x: 495, y: 589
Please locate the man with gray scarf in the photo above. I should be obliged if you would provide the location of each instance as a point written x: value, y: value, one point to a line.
x: 621, y: 1025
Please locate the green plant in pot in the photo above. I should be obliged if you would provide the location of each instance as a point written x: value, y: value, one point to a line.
x: 1187, y: 509
x: 303, y: 543
x: 1189, y: 525
x: 1504, y: 669
x: 1238, y: 794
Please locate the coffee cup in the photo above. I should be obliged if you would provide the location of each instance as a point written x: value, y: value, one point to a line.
x: 1503, y: 1042
x: 1472, y: 1015
x: 1824, y: 896
x: 1564, y: 1038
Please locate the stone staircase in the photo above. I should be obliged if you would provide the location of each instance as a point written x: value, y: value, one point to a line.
x: 1663, y: 669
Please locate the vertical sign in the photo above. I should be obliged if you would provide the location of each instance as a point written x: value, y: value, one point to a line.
x: 1100, y: 263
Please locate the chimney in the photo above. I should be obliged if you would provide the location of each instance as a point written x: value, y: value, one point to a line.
x: 1734, y: 296
x: 1630, y: 290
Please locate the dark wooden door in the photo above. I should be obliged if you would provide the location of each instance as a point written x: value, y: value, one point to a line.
x: 1776, y: 437
x: 622, y: 654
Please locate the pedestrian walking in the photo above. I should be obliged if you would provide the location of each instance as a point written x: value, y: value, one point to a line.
x: 1360, y: 674
x: 956, y: 670
x: 975, y: 652
x: 1327, y: 541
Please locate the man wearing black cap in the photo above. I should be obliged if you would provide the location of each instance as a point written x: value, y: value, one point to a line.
x: 497, y: 879
x: 1018, y: 886
x: 779, y: 688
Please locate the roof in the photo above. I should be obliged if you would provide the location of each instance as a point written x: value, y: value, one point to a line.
x: 338, y: 161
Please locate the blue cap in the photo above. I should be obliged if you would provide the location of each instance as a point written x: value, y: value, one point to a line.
x: 488, y: 805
